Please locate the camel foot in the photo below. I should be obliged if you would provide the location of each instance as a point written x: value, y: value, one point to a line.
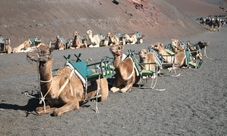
x: 170, y: 69
x: 123, y: 90
x: 96, y: 46
x: 40, y: 111
x: 56, y: 113
x: 114, y: 89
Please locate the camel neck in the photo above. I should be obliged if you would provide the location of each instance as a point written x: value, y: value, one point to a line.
x: 117, y: 60
x: 45, y: 70
x: 91, y: 38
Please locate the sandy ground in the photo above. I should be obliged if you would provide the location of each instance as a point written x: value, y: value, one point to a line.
x: 192, y: 104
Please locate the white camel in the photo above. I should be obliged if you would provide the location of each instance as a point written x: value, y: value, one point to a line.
x: 95, y: 40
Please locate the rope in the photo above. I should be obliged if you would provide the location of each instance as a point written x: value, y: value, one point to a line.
x: 97, y: 92
x: 45, y: 81
x: 64, y: 85
x: 205, y: 54
x: 31, y: 96
x: 42, y: 99
x: 85, y: 93
x: 153, y: 82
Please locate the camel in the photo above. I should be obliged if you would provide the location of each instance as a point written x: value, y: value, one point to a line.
x: 95, y: 40
x: 178, y: 61
x: 214, y: 23
x: 203, y: 45
x: 114, y: 39
x: 60, y: 44
x: 130, y: 39
x: 134, y: 38
x: 78, y: 42
x: 28, y: 45
x: 24, y: 47
x: 176, y: 46
x: 195, y: 50
x: 125, y: 75
x: 5, y: 45
x: 147, y: 57
x: 64, y: 91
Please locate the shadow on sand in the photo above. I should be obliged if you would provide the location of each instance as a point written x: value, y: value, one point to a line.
x: 29, y: 108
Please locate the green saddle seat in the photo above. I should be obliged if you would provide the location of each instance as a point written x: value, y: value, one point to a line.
x: 170, y: 52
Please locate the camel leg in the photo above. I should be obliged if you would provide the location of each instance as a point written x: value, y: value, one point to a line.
x: 114, y: 89
x: 126, y: 88
x: 97, y: 45
x: 18, y: 48
x: 129, y: 84
x: 71, y: 105
x: 104, y: 91
x: 41, y: 110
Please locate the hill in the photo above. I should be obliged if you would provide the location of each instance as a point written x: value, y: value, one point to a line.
x: 28, y: 18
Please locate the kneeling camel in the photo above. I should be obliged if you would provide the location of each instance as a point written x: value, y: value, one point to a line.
x: 125, y: 75
x: 64, y: 91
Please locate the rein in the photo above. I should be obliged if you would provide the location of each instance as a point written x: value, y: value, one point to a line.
x: 46, y: 81
x: 42, y: 99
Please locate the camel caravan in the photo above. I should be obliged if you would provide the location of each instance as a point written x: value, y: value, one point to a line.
x: 80, y: 81
x: 89, y: 40
x: 211, y: 22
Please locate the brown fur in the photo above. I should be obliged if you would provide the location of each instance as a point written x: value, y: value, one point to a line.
x: 202, y: 44
x: 77, y: 43
x: 125, y: 75
x: 194, y: 51
x: 8, y: 49
x: 176, y: 47
x: 60, y: 44
x: 147, y: 57
x: 24, y: 46
x: 213, y: 24
x: 7, y: 46
x: 68, y: 99
x: 113, y: 39
x: 132, y: 39
x: 179, y: 59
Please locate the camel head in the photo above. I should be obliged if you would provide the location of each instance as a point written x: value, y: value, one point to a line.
x: 143, y: 54
x: 202, y: 44
x: 174, y: 42
x: 76, y: 33
x: 89, y: 32
x: 109, y: 34
x: 116, y: 50
x: 58, y: 37
x: 157, y: 46
x: 42, y: 53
